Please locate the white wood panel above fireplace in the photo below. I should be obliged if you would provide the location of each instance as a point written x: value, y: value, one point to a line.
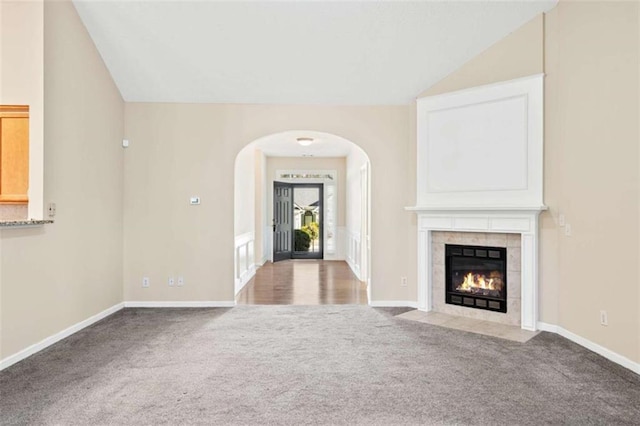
x: 482, y: 147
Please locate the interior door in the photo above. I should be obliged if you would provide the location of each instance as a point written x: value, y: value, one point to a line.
x: 282, y: 221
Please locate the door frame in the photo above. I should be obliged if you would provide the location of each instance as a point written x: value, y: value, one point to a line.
x: 327, y: 178
x: 282, y: 255
x: 302, y: 254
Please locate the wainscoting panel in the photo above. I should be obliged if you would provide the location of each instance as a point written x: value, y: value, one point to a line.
x: 340, y: 243
x: 244, y: 260
x: 354, y: 256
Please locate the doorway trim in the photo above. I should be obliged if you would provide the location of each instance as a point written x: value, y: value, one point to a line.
x: 284, y: 222
x: 282, y: 236
x: 329, y: 180
x: 336, y: 239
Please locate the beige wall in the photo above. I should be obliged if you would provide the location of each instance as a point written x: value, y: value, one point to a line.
x: 591, y: 57
x: 261, y: 224
x: 182, y: 149
x: 58, y: 275
x: 593, y: 85
x: 353, y: 214
x: 244, y: 197
x: 356, y: 224
x: 518, y: 54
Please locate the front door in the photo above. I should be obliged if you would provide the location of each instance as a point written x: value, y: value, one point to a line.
x: 307, y: 221
x: 282, y: 221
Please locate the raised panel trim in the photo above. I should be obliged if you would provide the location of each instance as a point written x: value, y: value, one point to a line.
x: 507, y: 224
x: 436, y: 222
x: 462, y: 223
x: 512, y: 193
x: 244, y: 260
x: 354, y: 247
x: 515, y: 183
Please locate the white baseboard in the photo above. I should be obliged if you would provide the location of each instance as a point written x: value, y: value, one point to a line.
x: 393, y: 304
x: 37, y: 347
x: 600, y: 350
x: 551, y: 328
x: 180, y: 304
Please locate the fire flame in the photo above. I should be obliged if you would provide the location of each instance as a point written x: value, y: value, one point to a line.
x: 477, y: 281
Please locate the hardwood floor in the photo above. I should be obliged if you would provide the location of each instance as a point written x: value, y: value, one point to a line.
x: 304, y: 282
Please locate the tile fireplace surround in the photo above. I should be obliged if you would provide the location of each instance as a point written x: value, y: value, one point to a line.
x: 511, y: 242
x: 521, y: 229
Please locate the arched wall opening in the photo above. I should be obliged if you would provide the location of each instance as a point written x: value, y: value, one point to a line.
x: 339, y: 165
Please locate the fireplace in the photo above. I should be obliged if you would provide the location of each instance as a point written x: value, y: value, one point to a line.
x: 476, y: 277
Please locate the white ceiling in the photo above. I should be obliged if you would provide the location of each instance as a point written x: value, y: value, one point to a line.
x: 293, y: 52
x: 285, y: 145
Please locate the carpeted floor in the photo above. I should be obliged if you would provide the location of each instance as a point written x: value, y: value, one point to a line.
x: 310, y: 365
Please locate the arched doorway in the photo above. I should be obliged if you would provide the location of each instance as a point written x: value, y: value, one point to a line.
x: 307, y: 159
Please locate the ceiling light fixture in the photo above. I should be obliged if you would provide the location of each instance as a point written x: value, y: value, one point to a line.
x: 305, y: 141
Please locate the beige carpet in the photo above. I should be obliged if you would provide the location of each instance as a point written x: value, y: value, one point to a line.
x: 294, y: 365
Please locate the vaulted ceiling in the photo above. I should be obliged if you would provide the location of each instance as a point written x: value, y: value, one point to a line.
x: 292, y: 52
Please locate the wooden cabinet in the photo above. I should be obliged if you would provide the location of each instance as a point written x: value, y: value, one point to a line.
x: 14, y: 154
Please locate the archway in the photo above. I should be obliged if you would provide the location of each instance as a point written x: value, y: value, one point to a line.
x: 339, y: 165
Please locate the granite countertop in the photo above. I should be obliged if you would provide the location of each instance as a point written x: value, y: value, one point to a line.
x: 20, y: 223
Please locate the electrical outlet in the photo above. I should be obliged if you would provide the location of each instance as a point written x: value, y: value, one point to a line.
x: 603, y: 318
x: 171, y: 282
x: 567, y: 230
x: 180, y: 281
x: 403, y: 281
x: 145, y: 282
x: 561, y: 220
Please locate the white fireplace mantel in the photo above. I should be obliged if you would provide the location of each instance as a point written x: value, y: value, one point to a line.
x: 519, y: 220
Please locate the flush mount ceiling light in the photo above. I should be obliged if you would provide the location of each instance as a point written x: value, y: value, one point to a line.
x: 305, y: 141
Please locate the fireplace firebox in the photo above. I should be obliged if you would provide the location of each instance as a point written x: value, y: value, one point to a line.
x: 476, y: 277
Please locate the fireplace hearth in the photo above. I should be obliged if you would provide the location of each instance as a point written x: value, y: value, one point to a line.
x: 476, y: 277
